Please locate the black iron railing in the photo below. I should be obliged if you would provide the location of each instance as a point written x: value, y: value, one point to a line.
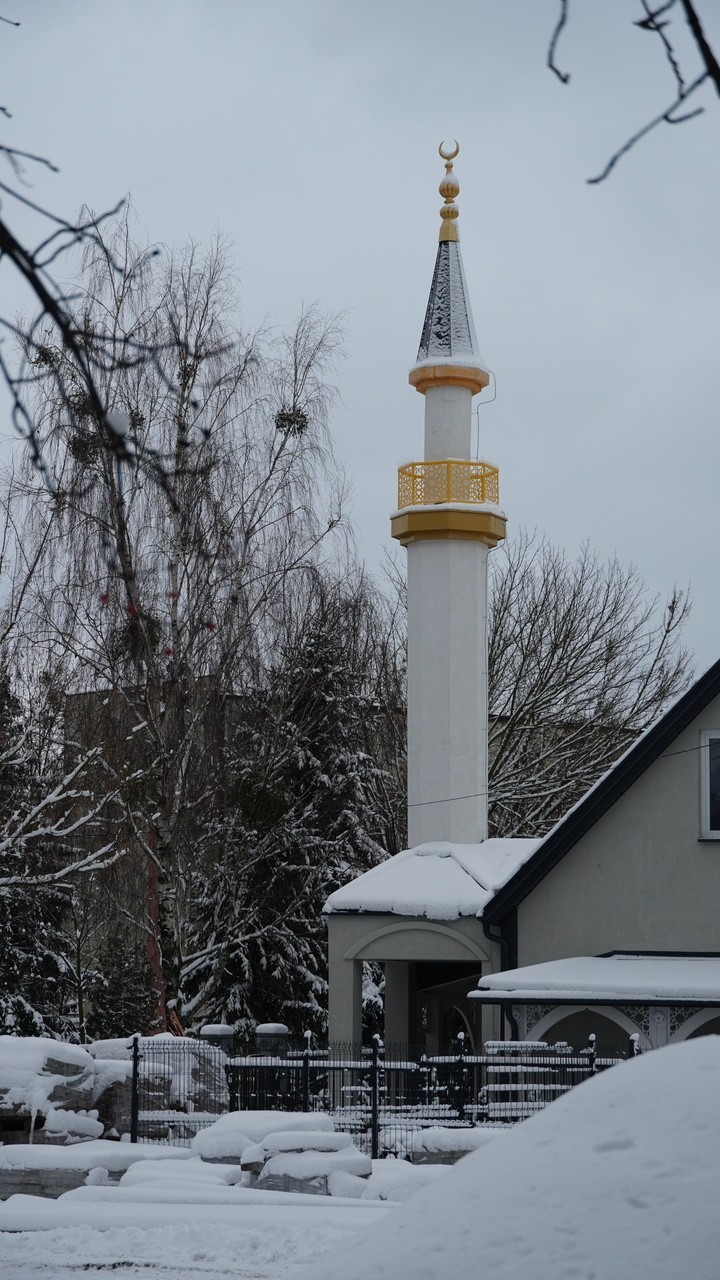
x: 379, y: 1095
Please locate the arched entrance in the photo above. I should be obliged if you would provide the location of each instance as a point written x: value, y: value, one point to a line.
x: 455, y: 1021
x: 429, y: 968
x: 575, y: 1024
x: 706, y: 1022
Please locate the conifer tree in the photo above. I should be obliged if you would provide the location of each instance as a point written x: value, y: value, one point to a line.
x: 305, y: 818
x: 33, y: 985
x: 121, y: 995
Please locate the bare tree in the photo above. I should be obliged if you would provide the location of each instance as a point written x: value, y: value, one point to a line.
x: 59, y: 829
x: 656, y: 19
x: 161, y: 604
x: 581, y: 660
x: 52, y: 354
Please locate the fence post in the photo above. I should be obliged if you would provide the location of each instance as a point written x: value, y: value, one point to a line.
x: 374, y: 1098
x: 231, y: 1075
x: 460, y: 1082
x: 306, y: 1072
x: 135, y: 1089
x: 593, y: 1053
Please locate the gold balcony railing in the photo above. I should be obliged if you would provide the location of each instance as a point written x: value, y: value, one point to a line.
x: 447, y: 480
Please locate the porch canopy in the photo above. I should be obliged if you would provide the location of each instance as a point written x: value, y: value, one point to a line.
x: 439, y: 880
x: 620, y: 978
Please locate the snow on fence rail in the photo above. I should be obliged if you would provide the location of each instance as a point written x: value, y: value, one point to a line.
x: 380, y: 1097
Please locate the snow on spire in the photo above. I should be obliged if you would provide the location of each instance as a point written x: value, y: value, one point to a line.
x: 448, y: 334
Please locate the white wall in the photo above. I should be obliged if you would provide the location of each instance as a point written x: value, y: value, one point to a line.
x: 447, y: 691
x: 641, y: 877
x: 448, y: 422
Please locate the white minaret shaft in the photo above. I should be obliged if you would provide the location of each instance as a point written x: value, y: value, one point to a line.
x: 448, y: 519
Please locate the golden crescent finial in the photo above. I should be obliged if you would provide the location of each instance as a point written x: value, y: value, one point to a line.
x: 449, y: 188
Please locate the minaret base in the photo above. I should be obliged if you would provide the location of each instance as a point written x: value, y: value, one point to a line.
x: 447, y: 690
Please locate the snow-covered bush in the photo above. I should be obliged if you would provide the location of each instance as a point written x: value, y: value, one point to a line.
x: 229, y: 1136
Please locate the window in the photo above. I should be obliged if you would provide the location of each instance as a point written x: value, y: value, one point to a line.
x: 710, y: 784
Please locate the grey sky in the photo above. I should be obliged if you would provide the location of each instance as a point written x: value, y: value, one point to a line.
x: 307, y: 130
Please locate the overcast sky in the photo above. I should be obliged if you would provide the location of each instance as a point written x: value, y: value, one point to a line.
x: 307, y: 130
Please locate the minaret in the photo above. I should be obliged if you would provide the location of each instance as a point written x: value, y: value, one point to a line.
x: 449, y: 519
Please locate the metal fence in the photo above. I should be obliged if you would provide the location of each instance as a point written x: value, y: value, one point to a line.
x: 179, y: 1085
x: 383, y: 1097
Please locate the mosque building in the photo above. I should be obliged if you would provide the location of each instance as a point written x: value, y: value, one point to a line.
x: 630, y: 873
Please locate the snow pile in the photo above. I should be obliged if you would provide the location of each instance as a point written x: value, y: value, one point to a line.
x: 308, y: 1164
x: 616, y: 1178
x: 120, y: 1047
x: 50, y: 1079
x: 114, y: 1156
x: 438, y: 1141
x: 397, y: 1180
x: 67, y: 1238
x: 298, y: 1140
x: 158, y: 1174
x: 439, y: 880
x: 228, y: 1137
x: 24, y: 1058
x: 73, y: 1126
x: 304, y: 1156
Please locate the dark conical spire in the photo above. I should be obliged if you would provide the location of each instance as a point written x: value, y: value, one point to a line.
x: 448, y: 334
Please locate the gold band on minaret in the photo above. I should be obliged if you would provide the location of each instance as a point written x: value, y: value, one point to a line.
x: 449, y: 188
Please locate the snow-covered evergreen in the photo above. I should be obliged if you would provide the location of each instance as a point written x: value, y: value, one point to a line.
x: 306, y: 819
x: 33, y: 987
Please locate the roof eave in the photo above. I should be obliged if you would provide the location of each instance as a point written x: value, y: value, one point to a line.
x: 601, y: 797
x: 592, y: 1001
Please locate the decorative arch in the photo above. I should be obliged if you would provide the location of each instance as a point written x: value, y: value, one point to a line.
x: 694, y: 1024
x: 454, y: 1012
x: 562, y: 1011
x: 472, y: 950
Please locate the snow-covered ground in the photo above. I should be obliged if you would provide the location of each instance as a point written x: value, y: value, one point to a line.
x: 170, y: 1219
x: 617, y: 1178
x: 50, y: 1241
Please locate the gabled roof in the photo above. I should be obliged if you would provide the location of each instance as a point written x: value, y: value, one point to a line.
x: 438, y: 880
x: 578, y: 820
x: 448, y: 334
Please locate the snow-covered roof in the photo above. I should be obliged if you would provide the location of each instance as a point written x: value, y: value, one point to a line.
x: 580, y: 817
x: 448, y: 333
x: 648, y: 979
x: 439, y: 880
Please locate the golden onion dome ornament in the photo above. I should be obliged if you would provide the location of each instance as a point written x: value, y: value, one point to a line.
x: 449, y: 188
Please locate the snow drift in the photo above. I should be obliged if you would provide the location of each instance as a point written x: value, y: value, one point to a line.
x: 617, y: 1178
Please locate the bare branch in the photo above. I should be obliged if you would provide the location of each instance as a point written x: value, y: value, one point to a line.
x: 563, y: 76
x: 666, y: 117
x: 711, y: 63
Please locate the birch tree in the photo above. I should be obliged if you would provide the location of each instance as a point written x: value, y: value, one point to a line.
x: 56, y: 828
x: 162, y: 602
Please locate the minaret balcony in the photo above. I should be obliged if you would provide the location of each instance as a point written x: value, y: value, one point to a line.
x: 423, y: 484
